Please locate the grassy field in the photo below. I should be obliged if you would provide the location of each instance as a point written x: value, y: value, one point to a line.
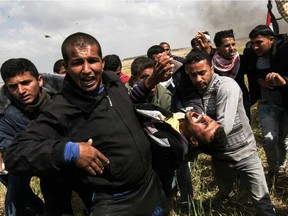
x: 203, y: 183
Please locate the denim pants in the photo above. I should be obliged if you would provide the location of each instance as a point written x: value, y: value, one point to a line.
x: 274, y: 123
x: 20, y: 199
x: 252, y: 176
x: 185, y: 182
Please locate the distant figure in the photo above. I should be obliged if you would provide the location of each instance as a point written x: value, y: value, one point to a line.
x: 113, y: 63
x: 202, y: 41
x: 167, y: 49
x: 59, y: 67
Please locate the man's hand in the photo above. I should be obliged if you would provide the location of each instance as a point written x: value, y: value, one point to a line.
x: 162, y: 71
x: 265, y: 84
x: 274, y: 79
x: 1, y: 161
x: 203, y: 42
x: 90, y: 158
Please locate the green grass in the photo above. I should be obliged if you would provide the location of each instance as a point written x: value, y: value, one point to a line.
x: 205, y: 189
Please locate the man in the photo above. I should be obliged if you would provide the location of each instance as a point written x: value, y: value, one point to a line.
x: 90, y: 133
x: 142, y: 68
x: 113, y: 63
x: 23, y: 87
x: 268, y: 63
x: 227, y: 62
x: 166, y: 47
x: 222, y: 99
x: 202, y: 41
x: 184, y: 94
x: 59, y: 68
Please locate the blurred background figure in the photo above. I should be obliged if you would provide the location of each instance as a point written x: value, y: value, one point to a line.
x: 167, y: 49
x: 202, y: 41
x: 113, y: 63
x: 58, y: 67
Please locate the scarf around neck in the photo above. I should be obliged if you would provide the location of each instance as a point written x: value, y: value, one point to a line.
x: 32, y: 109
x: 226, y: 67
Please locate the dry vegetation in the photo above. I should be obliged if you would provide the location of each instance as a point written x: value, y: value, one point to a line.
x: 204, y: 186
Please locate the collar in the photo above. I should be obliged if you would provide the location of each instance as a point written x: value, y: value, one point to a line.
x: 87, y: 101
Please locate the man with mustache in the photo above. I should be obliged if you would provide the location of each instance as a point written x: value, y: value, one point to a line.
x: 228, y: 62
x: 223, y: 102
x: 90, y: 134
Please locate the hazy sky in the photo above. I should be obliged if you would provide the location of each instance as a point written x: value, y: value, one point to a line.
x: 127, y: 28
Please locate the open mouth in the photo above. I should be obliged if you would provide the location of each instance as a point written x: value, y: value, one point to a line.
x: 88, y: 80
x: 24, y: 98
x: 195, y: 116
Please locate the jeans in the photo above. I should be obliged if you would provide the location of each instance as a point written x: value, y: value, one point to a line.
x: 274, y: 123
x: 252, y: 176
x: 185, y: 182
x: 20, y: 199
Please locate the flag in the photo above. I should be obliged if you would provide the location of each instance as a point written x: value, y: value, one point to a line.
x: 271, y: 20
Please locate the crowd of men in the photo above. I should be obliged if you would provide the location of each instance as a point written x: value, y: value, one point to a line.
x: 80, y: 131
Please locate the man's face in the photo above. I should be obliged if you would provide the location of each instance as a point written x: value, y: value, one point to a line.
x: 118, y: 70
x: 24, y: 87
x: 143, y: 75
x: 196, y: 46
x: 200, y: 73
x: 85, y: 66
x: 197, y: 127
x: 167, y: 49
x: 227, y: 48
x: 62, y: 70
x: 262, y: 44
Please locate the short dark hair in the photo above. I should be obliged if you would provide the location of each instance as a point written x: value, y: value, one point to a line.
x: 163, y: 43
x: 193, y: 42
x: 141, y: 63
x: 223, y: 34
x: 262, y: 30
x: 197, y: 56
x: 17, y: 66
x: 155, y: 49
x: 57, y: 65
x: 112, y: 62
x: 79, y: 39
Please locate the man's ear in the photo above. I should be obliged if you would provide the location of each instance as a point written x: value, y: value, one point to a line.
x: 103, y: 63
x: 186, y: 68
x: 212, y: 69
x: 272, y: 39
x: 193, y: 141
x: 40, y: 81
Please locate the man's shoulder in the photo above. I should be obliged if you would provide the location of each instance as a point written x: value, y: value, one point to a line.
x: 57, y: 103
x: 162, y: 90
x: 52, y: 83
x: 12, y: 111
x: 224, y: 81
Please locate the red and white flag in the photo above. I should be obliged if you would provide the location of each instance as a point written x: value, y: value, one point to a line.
x: 271, y: 20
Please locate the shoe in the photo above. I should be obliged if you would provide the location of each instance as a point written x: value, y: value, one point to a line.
x: 271, y: 179
x: 184, y: 207
x: 220, y: 200
x: 282, y: 169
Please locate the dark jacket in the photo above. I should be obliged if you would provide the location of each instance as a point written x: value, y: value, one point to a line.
x: 13, y: 119
x: 108, y: 118
x: 186, y: 92
x: 278, y: 64
x: 240, y: 79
